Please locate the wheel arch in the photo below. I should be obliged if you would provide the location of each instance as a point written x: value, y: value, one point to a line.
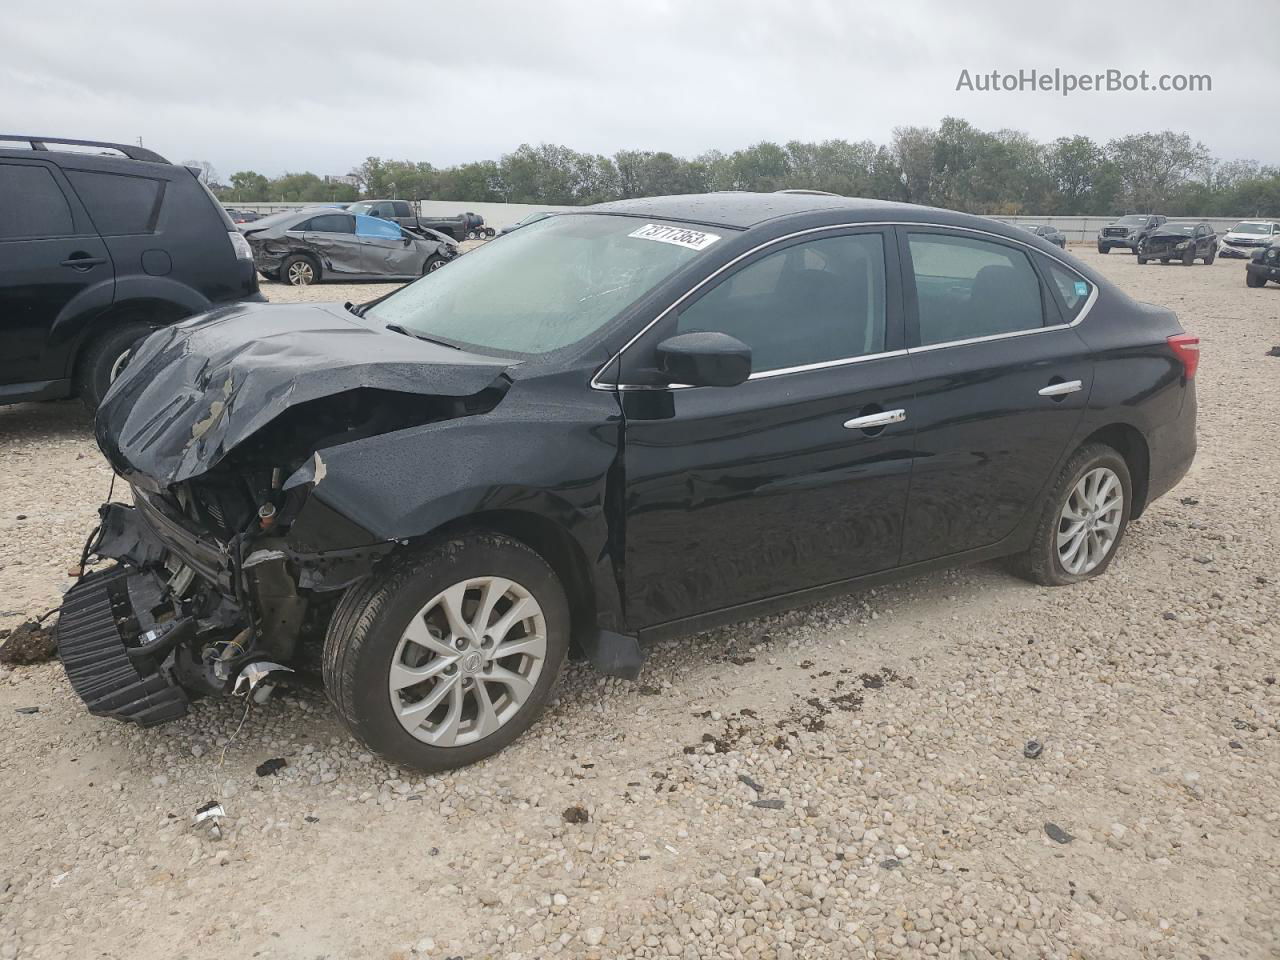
x: 157, y: 311
x: 1128, y: 441
x: 551, y: 541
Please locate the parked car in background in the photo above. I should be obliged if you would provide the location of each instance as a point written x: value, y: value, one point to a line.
x: 97, y: 250
x: 629, y: 422
x: 1247, y: 237
x: 465, y: 226
x: 531, y: 218
x: 243, y: 216
x: 1127, y: 231
x: 302, y: 247
x: 1185, y: 240
x: 1050, y: 233
x: 1264, y: 265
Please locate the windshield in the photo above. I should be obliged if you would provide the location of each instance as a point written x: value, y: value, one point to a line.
x: 1133, y: 220
x: 263, y: 223
x: 1257, y: 229
x: 1177, y: 228
x: 545, y: 286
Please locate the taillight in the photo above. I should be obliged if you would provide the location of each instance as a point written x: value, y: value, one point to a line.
x: 1187, y: 349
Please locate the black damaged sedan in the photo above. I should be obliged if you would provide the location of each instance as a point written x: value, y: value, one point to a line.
x: 633, y: 421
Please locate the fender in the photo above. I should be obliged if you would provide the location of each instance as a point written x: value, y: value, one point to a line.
x: 463, y: 467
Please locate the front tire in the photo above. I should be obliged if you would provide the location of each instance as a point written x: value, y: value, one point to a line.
x: 451, y: 654
x: 1083, y: 519
x: 103, y: 360
x: 1254, y: 280
x: 1210, y: 257
x: 1102, y: 249
x: 434, y: 263
x: 1189, y: 257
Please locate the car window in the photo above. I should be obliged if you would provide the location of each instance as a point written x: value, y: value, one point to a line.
x: 402, y: 209
x: 329, y: 223
x: 809, y: 303
x: 1072, y: 290
x: 374, y: 227
x: 968, y: 288
x: 118, y: 205
x: 32, y: 203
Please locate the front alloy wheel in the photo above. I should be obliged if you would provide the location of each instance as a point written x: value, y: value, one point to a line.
x: 468, y: 661
x: 450, y: 653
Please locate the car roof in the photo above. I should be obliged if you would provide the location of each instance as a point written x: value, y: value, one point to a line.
x: 742, y: 210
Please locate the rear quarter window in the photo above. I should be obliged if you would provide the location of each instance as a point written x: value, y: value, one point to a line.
x: 119, y: 205
x: 1071, y: 290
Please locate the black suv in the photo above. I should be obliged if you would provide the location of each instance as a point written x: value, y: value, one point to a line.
x: 100, y: 243
x: 1127, y: 231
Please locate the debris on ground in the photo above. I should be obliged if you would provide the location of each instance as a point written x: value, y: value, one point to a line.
x: 1057, y: 834
x: 211, y: 811
x: 27, y: 710
x: 1032, y: 749
x: 757, y: 787
x: 576, y: 814
x: 768, y: 804
x: 267, y: 767
x: 1274, y: 352
x: 27, y: 643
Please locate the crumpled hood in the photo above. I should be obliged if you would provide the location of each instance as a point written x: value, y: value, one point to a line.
x: 194, y: 391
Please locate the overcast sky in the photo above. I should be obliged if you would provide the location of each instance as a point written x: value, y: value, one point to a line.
x: 320, y: 86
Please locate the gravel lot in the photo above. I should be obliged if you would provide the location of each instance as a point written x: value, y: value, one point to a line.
x: 845, y: 780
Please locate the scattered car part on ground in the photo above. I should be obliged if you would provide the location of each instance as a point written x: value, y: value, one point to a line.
x: 1264, y: 265
x: 1248, y: 237
x: 96, y: 251
x: 1127, y: 231
x: 302, y: 247
x: 558, y: 426
x: 1184, y: 240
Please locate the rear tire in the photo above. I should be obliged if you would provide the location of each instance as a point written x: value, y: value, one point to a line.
x: 299, y: 271
x: 1049, y: 560
x: 412, y: 668
x: 104, y: 358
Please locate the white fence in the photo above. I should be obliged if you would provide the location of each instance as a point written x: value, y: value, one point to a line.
x: 499, y: 215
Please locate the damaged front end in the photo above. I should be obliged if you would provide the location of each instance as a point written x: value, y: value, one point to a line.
x: 227, y: 560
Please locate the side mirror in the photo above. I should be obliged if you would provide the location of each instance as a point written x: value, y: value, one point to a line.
x: 704, y: 359
x: 406, y: 239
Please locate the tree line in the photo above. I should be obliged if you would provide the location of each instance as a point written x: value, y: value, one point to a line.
x: 954, y: 165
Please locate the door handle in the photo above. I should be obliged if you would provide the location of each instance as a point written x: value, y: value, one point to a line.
x: 1061, y: 389
x: 82, y: 262
x: 873, y: 420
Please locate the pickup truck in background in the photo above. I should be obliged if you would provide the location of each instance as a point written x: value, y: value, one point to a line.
x: 465, y: 226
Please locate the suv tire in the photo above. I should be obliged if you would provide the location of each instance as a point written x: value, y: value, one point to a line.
x: 1254, y: 280
x: 416, y: 675
x: 104, y: 358
x: 1057, y: 530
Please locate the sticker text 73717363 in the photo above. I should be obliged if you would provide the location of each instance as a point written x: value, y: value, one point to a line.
x: 680, y: 236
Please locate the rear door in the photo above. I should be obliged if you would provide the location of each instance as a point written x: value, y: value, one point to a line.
x: 333, y: 237
x: 797, y: 477
x: 53, y: 265
x: 1002, y: 380
x: 386, y: 250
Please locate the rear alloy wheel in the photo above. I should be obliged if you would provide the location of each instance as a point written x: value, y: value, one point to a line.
x: 104, y: 360
x: 446, y: 682
x: 299, y: 271
x: 1083, y: 519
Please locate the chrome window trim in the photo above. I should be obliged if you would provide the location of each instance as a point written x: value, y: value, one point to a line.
x: 782, y: 371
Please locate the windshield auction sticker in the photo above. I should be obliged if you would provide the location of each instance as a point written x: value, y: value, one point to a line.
x: 681, y: 237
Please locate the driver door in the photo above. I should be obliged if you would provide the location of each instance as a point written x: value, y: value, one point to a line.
x: 387, y: 251
x: 797, y: 477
